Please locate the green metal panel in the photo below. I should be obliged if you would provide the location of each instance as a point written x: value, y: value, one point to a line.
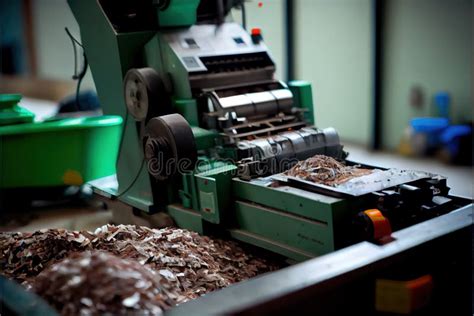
x: 303, y: 97
x: 204, y: 138
x: 188, y: 109
x: 153, y: 57
x: 214, y: 187
x: 299, y: 202
x: 272, y: 245
x: 185, y: 218
x: 297, y: 232
x: 179, y: 13
x: 174, y: 67
x: 206, y: 165
x: 110, y: 55
x: 188, y: 194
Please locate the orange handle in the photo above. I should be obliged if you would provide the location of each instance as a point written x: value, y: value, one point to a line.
x: 381, y: 223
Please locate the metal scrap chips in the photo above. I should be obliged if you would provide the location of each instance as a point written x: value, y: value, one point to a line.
x: 113, y: 268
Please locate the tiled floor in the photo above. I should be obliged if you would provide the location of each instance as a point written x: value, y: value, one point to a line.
x: 72, y: 218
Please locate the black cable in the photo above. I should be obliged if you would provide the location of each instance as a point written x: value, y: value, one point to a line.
x: 122, y: 136
x: 134, y: 180
x: 85, y: 65
x: 75, y: 59
x: 125, y: 121
x: 79, y: 80
x: 72, y: 37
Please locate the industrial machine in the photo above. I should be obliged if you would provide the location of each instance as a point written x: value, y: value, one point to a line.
x: 209, y: 133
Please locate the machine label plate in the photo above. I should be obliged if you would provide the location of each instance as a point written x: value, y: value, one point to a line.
x: 208, y: 204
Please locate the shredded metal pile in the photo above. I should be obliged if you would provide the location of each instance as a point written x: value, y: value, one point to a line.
x: 95, y: 283
x: 325, y: 170
x: 193, y: 264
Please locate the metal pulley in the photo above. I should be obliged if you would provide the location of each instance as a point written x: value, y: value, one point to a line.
x: 145, y: 94
x: 169, y: 146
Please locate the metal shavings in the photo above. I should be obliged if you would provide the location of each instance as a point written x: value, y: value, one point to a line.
x: 325, y: 170
x: 192, y: 264
x: 168, y: 275
x: 107, y: 285
x: 131, y: 301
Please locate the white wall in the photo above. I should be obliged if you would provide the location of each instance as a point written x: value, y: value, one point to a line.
x: 270, y: 18
x: 428, y: 43
x: 333, y: 52
x: 55, y: 58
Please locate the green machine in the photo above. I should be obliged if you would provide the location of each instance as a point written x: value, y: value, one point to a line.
x: 209, y: 132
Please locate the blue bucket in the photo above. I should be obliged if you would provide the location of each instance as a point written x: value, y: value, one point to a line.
x: 431, y: 126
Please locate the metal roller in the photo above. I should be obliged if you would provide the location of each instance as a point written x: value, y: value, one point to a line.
x: 169, y: 146
x: 145, y: 94
x: 269, y: 102
x: 278, y: 152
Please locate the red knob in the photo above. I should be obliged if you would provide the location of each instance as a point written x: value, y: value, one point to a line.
x: 256, y: 31
x: 256, y: 34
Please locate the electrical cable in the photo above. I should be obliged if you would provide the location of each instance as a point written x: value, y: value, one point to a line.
x: 134, y: 179
x: 122, y: 136
x: 79, y: 80
x: 85, y: 65
x: 75, y: 59
x: 72, y: 37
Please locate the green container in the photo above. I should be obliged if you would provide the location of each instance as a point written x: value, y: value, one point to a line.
x: 11, y: 112
x: 65, y: 152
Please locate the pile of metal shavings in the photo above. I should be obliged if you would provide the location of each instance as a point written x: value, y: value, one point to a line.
x: 326, y: 170
x: 193, y: 264
x: 95, y: 283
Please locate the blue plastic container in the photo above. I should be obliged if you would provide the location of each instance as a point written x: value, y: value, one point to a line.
x: 450, y: 137
x: 433, y: 127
